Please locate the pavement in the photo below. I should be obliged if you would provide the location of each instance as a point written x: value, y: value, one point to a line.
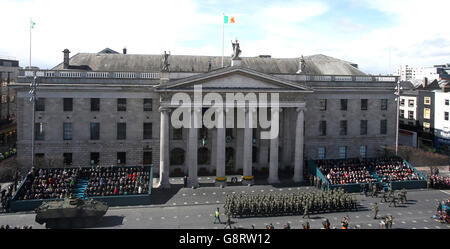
x: 189, y: 208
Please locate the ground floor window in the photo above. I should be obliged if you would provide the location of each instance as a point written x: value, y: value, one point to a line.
x: 67, y: 159
x: 342, y: 151
x: 147, y: 160
x: 121, y: 157
x: 321, y: 152
x: 363, y: 151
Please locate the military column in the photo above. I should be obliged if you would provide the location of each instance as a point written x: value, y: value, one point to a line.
x: 221, y: 180
x: 248, y: 137
x: 299, y: 140
x: 164, y: 149
x: 273, y: 164
x: 193, y: 147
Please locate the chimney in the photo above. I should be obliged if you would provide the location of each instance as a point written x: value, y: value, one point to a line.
x: 124, y: 50
x: 425, y: 82
x: 66, y: 58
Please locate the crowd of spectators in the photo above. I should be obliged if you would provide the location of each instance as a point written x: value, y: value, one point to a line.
x: 439, y: 182
x: 345, y: 171
x: 107, y: 181
x: 393, y: 169
x: 48, y: 183
x: 2, y: 227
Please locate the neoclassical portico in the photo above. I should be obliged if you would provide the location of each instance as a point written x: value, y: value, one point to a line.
x: 234, y: 80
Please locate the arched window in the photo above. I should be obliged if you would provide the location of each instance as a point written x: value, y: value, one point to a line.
x: 203, y: 156
x: 177, y: 156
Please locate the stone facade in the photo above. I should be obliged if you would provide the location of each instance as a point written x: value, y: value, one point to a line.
x: 300, y: 97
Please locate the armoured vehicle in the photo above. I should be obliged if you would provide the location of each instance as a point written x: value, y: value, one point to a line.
x: 70, y: 212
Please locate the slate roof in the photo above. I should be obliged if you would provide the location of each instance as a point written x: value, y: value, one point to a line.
x: 315, y: 64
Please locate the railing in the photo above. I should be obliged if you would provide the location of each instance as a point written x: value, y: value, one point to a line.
x: 89, y: 75
x: 157, y: 75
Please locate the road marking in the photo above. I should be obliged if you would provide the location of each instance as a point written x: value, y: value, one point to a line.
x: 414, y: 228
x: 195, y: 202
x: 214, y: 193
x: 399, y: 213
x: 368, y: 215
x: 358, y: 225
x: 370, y: 225
x: 194, y: 194
x: 174, y: 217
x: 162, y: 218
x: 217, y: 201
x: 242, y: 191
x: 270, y: 190
x: 210, y: 215
x: 438, y: 227
x: 404, y: 222
x: 298, y: 188
x: 253, y: 191
x: 420, y: 212
x: 335, y: 218
x: 357, y: 217
x: 204, y: 193
x: 414, y: 221
x: 208, y: 178
x: 185, y: 203
x: 174, y: 204
x: 150, y: 218
x: 426, y: 227
x: 281, y: 189
x: 289, y: 189
x: 427, y: 200
x: 207, y: 202
x: 184, y: 194
x: 187, y: 216
x: 223, y: 193
x: 278, y: 223
x: 199, y: 215
x: 137, y: 219
x: 409, y: 212
x: 425, y: 220
x: 445, y: 191
x: 215, y: 227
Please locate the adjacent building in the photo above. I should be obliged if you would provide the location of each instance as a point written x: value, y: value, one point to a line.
x: 9, y: 69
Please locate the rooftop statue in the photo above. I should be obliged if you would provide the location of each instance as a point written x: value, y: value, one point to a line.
x: 236, y: 50
x: 165, y: 62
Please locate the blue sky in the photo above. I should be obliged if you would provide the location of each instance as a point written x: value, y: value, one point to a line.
x: 378, y: 35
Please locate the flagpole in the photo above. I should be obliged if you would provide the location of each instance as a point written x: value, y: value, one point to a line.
x: 30, y: 41
x: 223, y: 35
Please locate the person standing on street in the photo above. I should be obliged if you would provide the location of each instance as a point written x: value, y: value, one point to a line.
x: 217, y: 216
x: 375, y: 210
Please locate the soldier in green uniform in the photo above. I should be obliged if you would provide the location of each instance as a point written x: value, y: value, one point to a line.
x: 383, y: 195
x: 306, y: 211
x: 375, y: 210
x: 393, y: 200
x: 389, y: 221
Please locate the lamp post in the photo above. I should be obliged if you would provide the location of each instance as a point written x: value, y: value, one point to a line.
x: 397, y: 93
x: 33, y: 85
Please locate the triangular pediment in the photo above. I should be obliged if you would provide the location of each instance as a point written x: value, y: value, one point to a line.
x: 234, y: 78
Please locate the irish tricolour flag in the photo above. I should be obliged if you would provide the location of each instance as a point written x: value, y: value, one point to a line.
x: 228, y: 19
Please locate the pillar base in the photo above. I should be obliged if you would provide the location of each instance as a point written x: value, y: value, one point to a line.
x: 297, y: 179
x: 192, y: 183
x: 163, y: 185
x: 273, y: 180
x: 248, y: 182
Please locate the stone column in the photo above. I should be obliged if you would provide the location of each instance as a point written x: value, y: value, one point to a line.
x: 273, y: 164
x: 221, y: 180
x: 299, y: 140
x: 164, y: 149
x: 192, y: 147
x: 248, y: 155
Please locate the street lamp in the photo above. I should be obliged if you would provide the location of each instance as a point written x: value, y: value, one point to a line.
x: 33, y: 85
x: 398, y: 89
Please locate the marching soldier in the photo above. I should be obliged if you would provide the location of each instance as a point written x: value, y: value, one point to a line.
x: 228, y: 224
x: 375, y: 210
x: 306, y: 212
x: 393, y: 200
x: 389, y: 222
x: 374, y: 192
x: 383, y: 195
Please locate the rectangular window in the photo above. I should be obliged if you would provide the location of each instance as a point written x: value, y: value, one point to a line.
x: 323, y: 104
x: 343, y: 126
x: 426, y: 126
x: 402, y: 113
x: 67, y: 131
x: 95, y: 157
x: 384, y: 104
x: 383, y: 126
x: 321, y: 152
x: 95, y: 131
x: 427, y: 100
x: 147, y: 130
x: 363, y: 151
x: 147, y: 158
x: 410, y: 114
x: 148, y: 105
x: 447, y: 102
x: 323, y: 128
x: 95, y: 104
x: 426, y: 113
x: 411, y: 102
x: 39, y: 131
x: 67, y: 159
x: 342, y: 152
x: 363, y: 127
x: 229, y: 133
x: 121, y: 131
x: 40, y: 105
x: 121, y: 157
x: 177, y: 134
x: 402, y: 102
x: 446, y: 116
x: 364, y: 103
x: 68, y: 104
x: 121, y: 105
x: 343, y: 104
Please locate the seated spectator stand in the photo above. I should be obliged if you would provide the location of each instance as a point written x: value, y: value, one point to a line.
x: 56, y: 183
x: 351, y: 174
